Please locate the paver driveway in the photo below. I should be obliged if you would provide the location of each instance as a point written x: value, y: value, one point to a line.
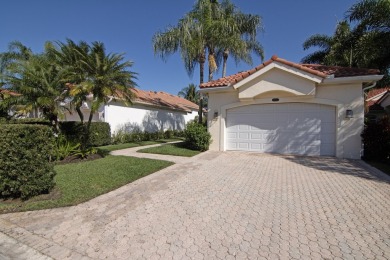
x: 224, y: 205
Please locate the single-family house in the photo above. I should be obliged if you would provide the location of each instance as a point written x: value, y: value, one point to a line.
x: 151, y: 111
x: 289, y: 108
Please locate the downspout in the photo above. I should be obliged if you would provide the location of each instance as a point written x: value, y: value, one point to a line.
x: 364, y: 94
x: 369, y: 87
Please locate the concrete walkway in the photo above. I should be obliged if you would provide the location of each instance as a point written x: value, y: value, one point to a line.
x: 223, y: 205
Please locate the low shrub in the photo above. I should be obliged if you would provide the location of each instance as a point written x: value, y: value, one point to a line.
x: 168, y: 134
x: 376, y: 140
x: 100, y: 133
x: 197, y: 137
x: 26, y: 152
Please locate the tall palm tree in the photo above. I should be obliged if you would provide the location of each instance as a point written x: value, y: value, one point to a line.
x: 199, y: 34
x: 190, y: 93
x: 240, y: 31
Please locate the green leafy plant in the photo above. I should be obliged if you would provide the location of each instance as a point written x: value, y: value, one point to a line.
x: 376, y: 140
x: 197, y: 137
x: 65, y: 148
x: 26, y: 153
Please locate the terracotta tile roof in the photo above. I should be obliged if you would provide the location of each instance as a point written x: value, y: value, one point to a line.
x: 315, y: 69
x: 375, y: 95
x: 159, y: 99
x: 164, y: 99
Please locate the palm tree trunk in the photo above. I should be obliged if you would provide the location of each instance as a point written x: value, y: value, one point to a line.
x: 202, y: 61
x: 81, y: 115
x: 84, y: 143
x: 225, y: 58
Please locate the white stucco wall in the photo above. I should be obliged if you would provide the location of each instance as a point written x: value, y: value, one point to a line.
x: 342, y: 97
x: 145, y: 118
x: 137, y: 116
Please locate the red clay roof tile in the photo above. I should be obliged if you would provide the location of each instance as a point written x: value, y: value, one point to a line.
x: 375, y: 95
x: 164, y: 99
x: 315, y: 69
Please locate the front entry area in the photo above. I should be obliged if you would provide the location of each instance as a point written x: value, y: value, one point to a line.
x: 287, y: 128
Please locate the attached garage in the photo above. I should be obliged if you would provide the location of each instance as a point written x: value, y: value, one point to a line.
x: 290, y: 128
x: 284, y: 107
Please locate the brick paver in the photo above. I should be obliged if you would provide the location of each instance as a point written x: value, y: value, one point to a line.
x: 230, y: 205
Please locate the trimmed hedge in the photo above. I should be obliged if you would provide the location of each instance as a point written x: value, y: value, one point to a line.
x: 26, y: 121
x: 197, y: 137
x: 100, y: 133
x: 25, y: 158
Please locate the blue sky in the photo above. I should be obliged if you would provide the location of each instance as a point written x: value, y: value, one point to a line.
x: 128, y: 27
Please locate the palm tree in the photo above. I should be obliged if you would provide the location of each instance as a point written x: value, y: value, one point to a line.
x: 372, y: 35
x: 69, y: 54
x: 240, y: 32
x: 333, y: 50
x: 190, y: 93
x: 201, y: 33
x: 40, y: 83
x: 106, y: 78
x: 16, y: 52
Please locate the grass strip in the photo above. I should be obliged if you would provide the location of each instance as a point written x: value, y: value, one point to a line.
x: 80, y: 182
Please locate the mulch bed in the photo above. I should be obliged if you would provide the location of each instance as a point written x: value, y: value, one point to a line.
x: 76, y: 159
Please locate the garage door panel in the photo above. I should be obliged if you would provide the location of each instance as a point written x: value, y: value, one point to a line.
x: 291, y: 128
x: 256, y: 136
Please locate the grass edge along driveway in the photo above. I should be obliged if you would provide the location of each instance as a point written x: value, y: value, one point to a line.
x: 114, y: 147
x: 80, y: 182
x: 176, y: 149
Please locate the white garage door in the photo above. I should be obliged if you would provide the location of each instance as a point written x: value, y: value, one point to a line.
x: 289, y: 128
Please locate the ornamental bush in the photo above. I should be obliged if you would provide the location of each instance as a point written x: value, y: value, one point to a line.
x: 376, y: 140
x: 26, y: 152
x: 100, y: 133
x: 197, y: 137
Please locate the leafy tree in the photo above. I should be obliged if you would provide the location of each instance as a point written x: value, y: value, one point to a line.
x: 190, y: 93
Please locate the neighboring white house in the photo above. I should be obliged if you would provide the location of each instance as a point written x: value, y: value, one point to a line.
x: 289, y: 108
x: 151, y: 111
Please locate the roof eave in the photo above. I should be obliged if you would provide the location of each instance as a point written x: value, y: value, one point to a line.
x: 216, y: 89
x: 354, y: 79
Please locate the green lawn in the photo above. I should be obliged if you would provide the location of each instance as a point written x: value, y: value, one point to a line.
x: 384, y: 167
x: 79, y: 182
x: 110, y: 148
x: 177, y: 149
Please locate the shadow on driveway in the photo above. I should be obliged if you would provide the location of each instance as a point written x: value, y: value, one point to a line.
x: 354, y: 168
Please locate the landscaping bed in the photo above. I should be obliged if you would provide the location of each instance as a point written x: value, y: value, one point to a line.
x: 80, y: 182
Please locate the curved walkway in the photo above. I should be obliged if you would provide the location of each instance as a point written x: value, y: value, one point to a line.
x: 224, y: 205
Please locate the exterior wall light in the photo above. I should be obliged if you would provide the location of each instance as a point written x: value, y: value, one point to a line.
x: 349, y: 114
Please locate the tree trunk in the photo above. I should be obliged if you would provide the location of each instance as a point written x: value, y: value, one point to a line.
x: 85, y: 140
x: 225, y: 58
x: 81, y: 115
x: 202, y: 61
